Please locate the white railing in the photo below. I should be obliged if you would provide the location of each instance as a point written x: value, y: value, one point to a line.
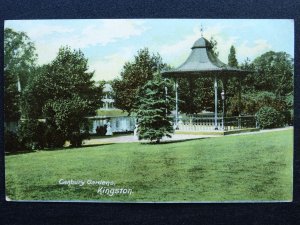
x: 207, y: 123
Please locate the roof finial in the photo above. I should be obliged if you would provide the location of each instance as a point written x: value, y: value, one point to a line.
x: 201, y: 30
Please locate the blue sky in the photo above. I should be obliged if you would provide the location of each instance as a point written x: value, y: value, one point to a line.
x: 108, y: 44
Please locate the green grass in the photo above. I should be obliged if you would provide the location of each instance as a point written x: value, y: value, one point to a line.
x: 230, y: 168
x: 111, y: 112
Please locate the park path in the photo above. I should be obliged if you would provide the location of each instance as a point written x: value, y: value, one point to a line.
x: 175, y: 137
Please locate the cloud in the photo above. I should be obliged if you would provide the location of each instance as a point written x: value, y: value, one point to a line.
x: 110, y: 67
x: 97, y: 38
x: 40, y: 31
x: 253, y: 49
x: 176, y: 53
x: 103, y: 32
x: 111, y: 30
x: 100, y: 33
x: 46, y: 51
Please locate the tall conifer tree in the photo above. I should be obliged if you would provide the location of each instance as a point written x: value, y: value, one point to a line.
x: 232, y: 61
x: 154, y: 109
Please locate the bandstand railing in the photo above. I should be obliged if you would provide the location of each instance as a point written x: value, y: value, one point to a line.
x: 207, y: 122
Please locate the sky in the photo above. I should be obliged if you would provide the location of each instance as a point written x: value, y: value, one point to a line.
x: 109, y: 43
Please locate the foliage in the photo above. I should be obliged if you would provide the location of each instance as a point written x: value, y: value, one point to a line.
x: 54, y: 138
x: 36, y: 93
x: 19, y: 61
x: 68, y: 117
x: 12, y: 142
x: 268, y: 117
x: 195, y: 95
x: 101, y: 130
x: 232, y: 61
x: 19, y: 55
x: 134, y: 76
x: 271, y: 84
x: 274, y: 72
x: 153, y: 111
x: 249, y: 80
x: 11, y: 98
x: 214, y: 46
x: 32, y: 134
x: 289, y: 100
x: 252, y: 102
x: 63, y: 93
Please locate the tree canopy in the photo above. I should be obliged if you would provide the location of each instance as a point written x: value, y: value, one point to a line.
x: 19, y: 55
x: 274, y: 72
x: 63, y: 93
x: 232, y: 61
x: 270, y: 85
x: 19, y: 62
x: 134, y: 76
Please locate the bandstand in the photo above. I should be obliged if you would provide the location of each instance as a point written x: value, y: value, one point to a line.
x: 202, y: 62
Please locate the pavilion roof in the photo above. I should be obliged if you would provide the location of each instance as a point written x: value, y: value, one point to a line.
x: 203, y: 62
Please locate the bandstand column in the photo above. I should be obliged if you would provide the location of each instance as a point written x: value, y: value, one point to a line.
x: 239, y: 107
x: 223, y: 96
x: 239, y: 100
x: 166, y: 92
x: 216, y: 102
x: 176, y: 100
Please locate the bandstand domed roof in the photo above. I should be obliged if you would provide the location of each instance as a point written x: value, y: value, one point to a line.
x: 201, y: 43
x: 203, y: 62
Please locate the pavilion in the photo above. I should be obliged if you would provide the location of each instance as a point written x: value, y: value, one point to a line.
x: 202, y: 62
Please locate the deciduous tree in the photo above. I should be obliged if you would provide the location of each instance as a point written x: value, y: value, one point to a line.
x: 19, y: 62
x: 134, y: 76
x: 64, y: 94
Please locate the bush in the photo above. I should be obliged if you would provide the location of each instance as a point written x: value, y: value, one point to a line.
x: 77, y: 138
x: 32, y: 134
x: 101, y: 130
x: 268, y: 117
x: 54, y: 138
x: 11, y: 142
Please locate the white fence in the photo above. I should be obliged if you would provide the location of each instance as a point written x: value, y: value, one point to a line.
x: 207, y: 123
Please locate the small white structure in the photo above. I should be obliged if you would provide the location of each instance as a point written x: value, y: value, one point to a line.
x: 108, y: 101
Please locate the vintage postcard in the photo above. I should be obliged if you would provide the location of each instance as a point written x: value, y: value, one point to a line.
x: 149, y: 110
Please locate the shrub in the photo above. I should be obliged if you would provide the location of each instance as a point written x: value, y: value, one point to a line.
x: 77, y: 138
x: 268, y: 117
x: 32, y: 134
x: 54, y: 138
x: 11, y: 142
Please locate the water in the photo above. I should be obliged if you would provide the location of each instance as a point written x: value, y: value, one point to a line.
x: 118, y: 124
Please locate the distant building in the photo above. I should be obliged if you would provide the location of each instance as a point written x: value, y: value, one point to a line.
x: 108, y: 101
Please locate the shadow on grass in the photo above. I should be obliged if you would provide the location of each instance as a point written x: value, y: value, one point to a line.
x: 19, y: 152
x: 56, y: 149
x: 96, y: 137
x: 172, y: 142
x: 94, y: 145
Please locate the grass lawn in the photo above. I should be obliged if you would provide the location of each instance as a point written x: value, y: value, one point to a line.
x: 111, y: 112
x: 230, y: 168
